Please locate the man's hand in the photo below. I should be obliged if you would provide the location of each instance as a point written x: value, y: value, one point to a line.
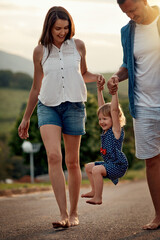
x: 112, y: 84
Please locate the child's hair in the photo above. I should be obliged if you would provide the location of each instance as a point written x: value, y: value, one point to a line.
x: 106, y: 111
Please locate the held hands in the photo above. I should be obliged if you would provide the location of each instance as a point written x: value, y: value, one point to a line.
x: 112, y: 84
x: 100, y: 82
x: 23, y: 129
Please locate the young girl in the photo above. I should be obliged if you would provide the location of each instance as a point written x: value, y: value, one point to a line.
x: 115, y: 164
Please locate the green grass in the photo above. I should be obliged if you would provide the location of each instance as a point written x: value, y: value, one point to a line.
x: 16, y: 185
x: 10, y: 107
x: 130, y: 175
x: 122, y: 88
x: 13, y: 99
x: 135, y: 174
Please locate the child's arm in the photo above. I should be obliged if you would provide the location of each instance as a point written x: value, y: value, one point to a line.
x: 116, y: 127
x: 100, y: 97
x: 100, y: 87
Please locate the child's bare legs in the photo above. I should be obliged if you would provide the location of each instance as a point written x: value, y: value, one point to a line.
x: 88, y: 168
x: 97, y: 175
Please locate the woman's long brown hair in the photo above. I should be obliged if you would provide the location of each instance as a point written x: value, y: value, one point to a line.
x: 52, y: 15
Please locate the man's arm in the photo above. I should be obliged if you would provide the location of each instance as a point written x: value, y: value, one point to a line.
x: 122, y: 74
x: 119, y: 76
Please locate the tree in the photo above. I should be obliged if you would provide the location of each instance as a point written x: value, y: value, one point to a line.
x: 5, y: 78
x: 15, y: 143
x: 10, y: 167
x: 3, y: 157
x: 15, y: 80
x: 90, y: 144
x: 129, y: 142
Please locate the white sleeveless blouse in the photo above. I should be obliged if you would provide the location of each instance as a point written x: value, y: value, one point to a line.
x: 62, y: 79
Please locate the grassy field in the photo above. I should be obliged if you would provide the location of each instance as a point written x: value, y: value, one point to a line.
x: 123, y: 86
x: 12, y: 101
x: 10, y: 107
x: 131, y: 175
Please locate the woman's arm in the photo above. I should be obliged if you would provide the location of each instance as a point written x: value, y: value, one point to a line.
x: 33, y: 96
x: 87, y: 76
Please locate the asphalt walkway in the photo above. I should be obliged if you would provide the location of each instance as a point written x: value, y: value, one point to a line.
x: 125, y: 209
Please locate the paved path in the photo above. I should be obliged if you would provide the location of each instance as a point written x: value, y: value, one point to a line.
x: 125, y: 209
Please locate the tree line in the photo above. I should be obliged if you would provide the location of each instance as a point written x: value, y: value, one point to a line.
x: 16, y: 164
x: 90, y: 144
x: 17, y: 80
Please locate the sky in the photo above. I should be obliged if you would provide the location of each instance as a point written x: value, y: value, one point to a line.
x: 97, y: 23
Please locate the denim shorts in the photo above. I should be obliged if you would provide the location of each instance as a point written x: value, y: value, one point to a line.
x: 69, y: 116
x: 147, y: 132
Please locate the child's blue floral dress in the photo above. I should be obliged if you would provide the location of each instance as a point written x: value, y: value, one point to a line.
x: 115, y: 161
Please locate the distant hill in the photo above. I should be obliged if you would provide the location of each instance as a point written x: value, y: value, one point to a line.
x: 15, y: 63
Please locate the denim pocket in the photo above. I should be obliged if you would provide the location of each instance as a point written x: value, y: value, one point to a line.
x: 79, y: 105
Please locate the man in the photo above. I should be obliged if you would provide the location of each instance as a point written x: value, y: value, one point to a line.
x: 141, y: 65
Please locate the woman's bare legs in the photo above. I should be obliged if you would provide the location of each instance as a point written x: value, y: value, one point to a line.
x: 88, y: 169
x: 153, y: 178
x: 72, y: 146
x: 97, y: 173
x: 51, y: 136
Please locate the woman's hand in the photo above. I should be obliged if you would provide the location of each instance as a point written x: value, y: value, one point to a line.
x: 23, y: 129
x: 100, y: 82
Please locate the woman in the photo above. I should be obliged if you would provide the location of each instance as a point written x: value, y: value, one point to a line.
x: 60, y: 71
